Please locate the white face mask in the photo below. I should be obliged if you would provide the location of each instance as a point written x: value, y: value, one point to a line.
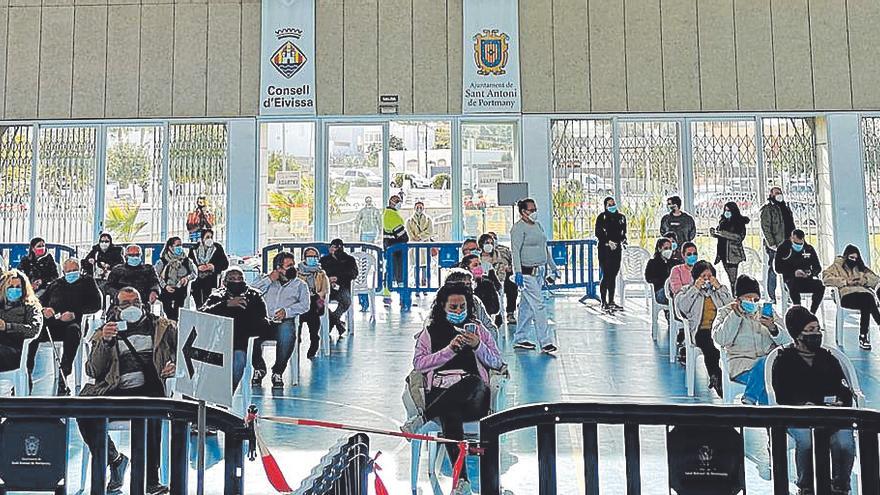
x: 488, y: 248
x: 209, y: 242
x: 104, y: 245
x: 666, y: 254
x: 779, y: 198
x: 533, y: 216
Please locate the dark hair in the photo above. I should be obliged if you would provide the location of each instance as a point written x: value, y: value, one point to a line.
x: 311, y: 248
x: 605, y: 201
x: 688, y: 244
x: 660, y: 242
x: 483, y: 238
x: 207, y: 231
x: 107, y: 235
x: 34, y: 242
x: 671, y: 236
x: 851, y: 249
x: 438, y: 308
x: 523, y: 204
x: 466, y: 261
x: 675, y: 200
x: 170, y: 242
x: 459, y: 276
x: 337, y: 243
x: 700, y: 267
x: 798, y: 233
x: 279, y: 258
x: 468, y: 241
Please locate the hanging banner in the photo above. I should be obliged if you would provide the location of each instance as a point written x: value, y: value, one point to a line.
x: 491, y: 57
x: 287, y: 58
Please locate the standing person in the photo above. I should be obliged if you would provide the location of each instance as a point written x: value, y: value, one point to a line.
x: 175, y: 271
x: 309, y: 271
x: 132, y: 355
x: 777, y: 223
x: 678, y: 221
x: 286, y: 297
x: 420, y: 228
x: 39, y: 266
x: 394, y: 233
x: 611, y: 234
x: 368, y: 222
x: 730, y: 234
x: 856, y: 284
x: 64, y: 302
x: 134, y: 273
x: 341, y: 268
x: 103, y: 257
x: 210, y: 261
x: 799, y: 266
x: 199, y: 220
x: 20, y: 318
x: 530, y: 260
x: 659, y: 267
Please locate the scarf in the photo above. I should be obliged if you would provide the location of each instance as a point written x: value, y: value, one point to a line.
x: 308, y: 274
x: 203, y: 254
x: 173, y: 262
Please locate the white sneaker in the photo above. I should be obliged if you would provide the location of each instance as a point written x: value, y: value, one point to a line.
x: 413, y: 425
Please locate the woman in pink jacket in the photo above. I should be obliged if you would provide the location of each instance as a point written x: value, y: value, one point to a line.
x: 680, y: 276
x: 455, y: 363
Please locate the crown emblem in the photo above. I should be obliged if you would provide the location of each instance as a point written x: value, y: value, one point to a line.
x: 288, y: 33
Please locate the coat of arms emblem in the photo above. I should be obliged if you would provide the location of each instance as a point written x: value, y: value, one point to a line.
x: 288, y: 59
x: 490, y: 52
x: 31, y: 445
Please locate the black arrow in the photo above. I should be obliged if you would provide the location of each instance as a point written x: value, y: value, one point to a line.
x: 190, y: 352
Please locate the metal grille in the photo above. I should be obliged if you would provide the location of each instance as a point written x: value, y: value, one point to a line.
x: 65, y: 197
x: 355, y: 173
x: 582, y: 174
x: 197, y: 167
x: 650, y: 171
x: 871, y: 145
x: 488, y: 157
x: 16, y: 153
x: 725, y: 169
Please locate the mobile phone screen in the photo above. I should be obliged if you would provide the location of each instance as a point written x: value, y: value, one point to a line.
x: 470, y: 328
x: 767, y: 310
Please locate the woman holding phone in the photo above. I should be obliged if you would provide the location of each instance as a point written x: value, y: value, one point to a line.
x: 748, y: 330
x: 856, y: 284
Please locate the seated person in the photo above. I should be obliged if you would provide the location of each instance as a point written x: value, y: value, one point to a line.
x: 856, y: 284
x: 680, y: 275
x: 487, y: 284
x: 799, y: 266
x: 463, y: 277
x: 103, y: 257
x: 805, y: 374
x: 456, y: 366
x: 234, y: 299
x: 699, y: 303
x: 134, y: 273
x: 20, y: 317
x: 64, y: 303
x: 748, y: 336
x: 309, y: 271
x: 39, y: 266
x: 501, y: 259
x: 342, y: 269
x: 658, y: 268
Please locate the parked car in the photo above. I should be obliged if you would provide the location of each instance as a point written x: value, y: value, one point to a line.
x: 362, y: 178
x: 415, y: 181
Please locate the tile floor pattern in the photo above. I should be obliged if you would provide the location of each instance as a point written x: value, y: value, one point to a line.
x: 601, y: 358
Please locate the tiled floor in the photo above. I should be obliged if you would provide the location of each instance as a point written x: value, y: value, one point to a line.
x: 601, y: 358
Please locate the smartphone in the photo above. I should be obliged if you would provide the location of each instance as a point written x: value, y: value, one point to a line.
x: 830, y: 400
x: 121, y: 326
x: 767, y: 310
x: 470, y: 327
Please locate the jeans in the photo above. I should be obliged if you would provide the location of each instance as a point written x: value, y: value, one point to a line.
x: 467, y: 400
x: 660, y: 297
x: 814, y: 286
x: 771, y: 274
x: 239, y: 361
x: 343, y: 300
x: 531, y: 307
x: 753, y: 379
x: 843, y: 453
x: 68, y: 333
x: 284, y: 335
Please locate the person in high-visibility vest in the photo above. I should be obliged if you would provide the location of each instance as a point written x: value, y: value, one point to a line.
x: 394, y: 232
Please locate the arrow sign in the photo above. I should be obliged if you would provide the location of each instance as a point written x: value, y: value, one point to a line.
x: 190, y: 353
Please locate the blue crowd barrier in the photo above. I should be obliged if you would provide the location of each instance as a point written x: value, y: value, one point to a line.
x: 14, y: 252
x: 578, y: 266
x: 269, y: 252
x: 153, y: 250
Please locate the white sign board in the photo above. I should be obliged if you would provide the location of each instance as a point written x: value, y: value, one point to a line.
x: 204, y: 357
x: 486, y: 179
x: 287, y: 58
x: 288, y: 180
x: 490, y: 70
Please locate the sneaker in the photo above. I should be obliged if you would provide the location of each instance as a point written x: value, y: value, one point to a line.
x: 340, y: 327
x: 682, y: 354
x: 525, y: 345
x: 549, y: 349
x: 277, y: 381
x: 865, y: 342
x: 157, y: 489
x: 258, y: 377
x: 715, y: 384
x: 413, y: 425
x: 511, y: 319
x: 615, y: 307
x: 117, y: 473
x: 463, y: 488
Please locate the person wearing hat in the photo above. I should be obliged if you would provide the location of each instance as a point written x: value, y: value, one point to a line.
x: 342, y: 269
x: 806, y: 374
x: 748, y: 335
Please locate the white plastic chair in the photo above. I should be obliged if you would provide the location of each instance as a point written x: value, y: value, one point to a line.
x: 245, y: 384
x: 675, y: 324
x: 730, y: 388
x: 806, y: 301
x: 840, y: 316
x: 363, y: 284
x: 849, y: 371
x: 19, y: 376
x: 632, y: 270
x: 692, y: 352
x: 754, y: 266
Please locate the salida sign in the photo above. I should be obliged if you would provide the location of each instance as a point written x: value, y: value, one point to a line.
x: 287, y: 72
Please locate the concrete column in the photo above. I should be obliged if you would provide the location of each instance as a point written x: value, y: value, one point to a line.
x: 243, y: 186
x: 536, y: 171
x: 841, y: 183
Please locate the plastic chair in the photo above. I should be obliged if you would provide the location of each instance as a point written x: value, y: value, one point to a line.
x: 840, y: 316
x: 849, y: 371
x: 19, y: 376
x: 730, y: 388
x: 692, y: 352
x: 245, y: 384
x: 675, y: 325
x: 363, y: 284
x: 806, y: 300
x: 655, y: 313
x: 632, y: 270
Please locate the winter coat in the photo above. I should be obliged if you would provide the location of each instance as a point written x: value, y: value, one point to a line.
x: 142, y: 277
x: 112, y: 257
x: 43, y: 268
x: 247, y: 322
x: 774, y: 217
x: 689, y: 303
x: 745, y: 338
x: 487, y: 290
x: 850, y: 280
x: 657, y: 271
x: 171, y: 273
x: 420, y: 228
x: 23, y: 321
x: 218, y: 259
x: 730, y: 242
x: 81, y: 297
x: 343, y: 266
x: 426, y: 361
x: 787, y: 261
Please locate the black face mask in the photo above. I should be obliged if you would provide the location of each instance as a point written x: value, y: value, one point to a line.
x: 852, y: 263
x: 290, y: 273
x: 236, y: 288
x: 812, y: 341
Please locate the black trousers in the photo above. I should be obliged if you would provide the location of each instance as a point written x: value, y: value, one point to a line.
x: 70, y: 334
x: 10, y: 357
x: 201, y: 289
x: 511, y: 291
x: 609, y: 262
x: 865, y: 303
x: 711, y: 354
x: 343, y: 300
x: 797, y: 286
x: 467, y: 400
x: 173, y: 301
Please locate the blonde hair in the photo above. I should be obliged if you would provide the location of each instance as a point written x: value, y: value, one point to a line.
x: 28, y: 295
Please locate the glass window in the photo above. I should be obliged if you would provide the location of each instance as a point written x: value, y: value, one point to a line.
x: 420, y: 154
x: 488, y: 156
x: 16, y: 154
x: 355, y: 200
x: 871, y: 145
x: 287, y: 173
x: 582, y: 168
x: 133, y: 192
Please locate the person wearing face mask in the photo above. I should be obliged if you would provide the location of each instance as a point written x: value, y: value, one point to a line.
x: 611, y: 237
x: 699, y: 303
x: 676, y: 252
x: 730, y: 233
x: 309, y: 271
x: 856, y: 284
x: 368, y: 221
x: 799, y: 266
x: 134, y: 273
x: 777, y: 223
x: 659, y: 267
x: 487, y: 283
x: 286, y: 297
x: 680, y: 275
x: 455, y: 363
x: 500, y: 259
x: 210, y: 260
x: 20, y: 317
x: 341, y: 269
x: 175, y: 272
x: 394, y: 232
x: 132, y: 355
x: 464, y: 277
x: 420, y: 228
x: 531, y: 259
x: 748, y: 335
x: 234, y: 299
x: 64, y: 302
x: 199, y: 220
x: 39, y: 265
x: 806, y: 374
x: 103, y: 257
x: 678, y: 221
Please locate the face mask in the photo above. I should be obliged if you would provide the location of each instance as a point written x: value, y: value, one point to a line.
x: 133, y: 260
x: 671, y: 208
x: 691, y: 259
x: 812, y: 341
x: 612, y: 209
x: 132, y: 314
x: 488, y: 248
x: 533, y: 216
x: 797, y: 247
x: 104, y: 245
x: 311, y: 261
x: 178, y: 250
x: 40, y: 251
x: 71, y: 277
x: 209, y: 242
x: 477, y: 271
x: 420, y: 210
x: 707, y: 285
x: 236, y: 288
x: 394, y: 206
x: 456, y: 318
x: 290, y: 273
x: 727, y: 215
x: 779, y: 198
x: 674, y: 246
x: 476, y: 252
x: 852, y: 263
x: 750, y: 307
x: 368, y: 202
x: 13, y: 294
x: 666, y: 254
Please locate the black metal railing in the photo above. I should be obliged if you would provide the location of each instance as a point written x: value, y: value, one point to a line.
x: 181, y: 414
x: 545, y: 417
x: 342, y: 471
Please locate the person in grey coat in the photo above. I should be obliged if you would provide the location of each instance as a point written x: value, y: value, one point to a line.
x: 678, y: 221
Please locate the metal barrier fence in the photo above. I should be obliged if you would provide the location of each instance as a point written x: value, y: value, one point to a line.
x: 12, y: 253
x: 342, y: 471
x: 694, y: 418
x: 269, y: 252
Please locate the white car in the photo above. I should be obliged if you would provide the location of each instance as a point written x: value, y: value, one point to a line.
x: 362, y: 178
